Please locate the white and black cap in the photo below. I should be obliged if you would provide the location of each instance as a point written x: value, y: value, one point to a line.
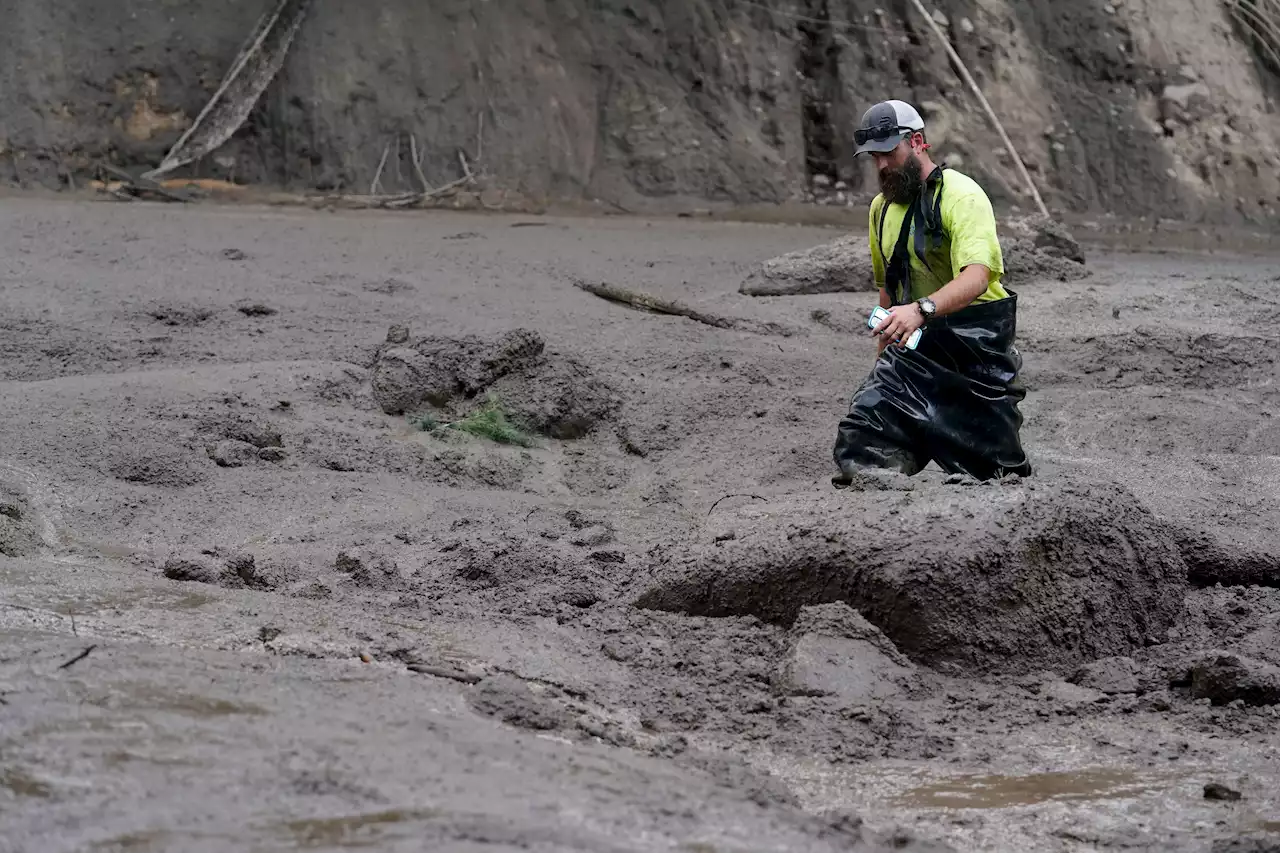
x: 885, y: 125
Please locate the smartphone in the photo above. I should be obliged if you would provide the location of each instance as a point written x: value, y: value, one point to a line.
x: 879, y: 314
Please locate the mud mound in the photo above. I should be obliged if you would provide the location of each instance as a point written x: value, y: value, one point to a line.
x: 1148, y: 356
x: 155, y: 463
x: 842, y: 265
x: 1211, y: 560
x: 18, y: 537
x: 1007, y: 577
x: 531, y: 574
x: 1038, y: 248
x: 559, y: 398
x: 553, y: 395
x: 439, y: 370
x: 1223, y: 678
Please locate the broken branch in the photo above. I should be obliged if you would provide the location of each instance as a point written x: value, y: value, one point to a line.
x: 645, y: 302
x: 377, y: 176
x: 417, y: 163
x: 75, y: 660
x: 726, y: 497
x: 986, y: 106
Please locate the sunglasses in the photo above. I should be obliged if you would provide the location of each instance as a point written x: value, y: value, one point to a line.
x: 863, y: 135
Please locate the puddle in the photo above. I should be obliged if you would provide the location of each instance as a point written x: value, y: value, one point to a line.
x: 999, y: 792
x: 361, y: 830
x: 149, y: 698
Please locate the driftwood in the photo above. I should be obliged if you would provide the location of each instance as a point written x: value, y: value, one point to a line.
x: 986, y: 106
x: 656, y: 305
x: 119, y: 184
x: 257, y: 64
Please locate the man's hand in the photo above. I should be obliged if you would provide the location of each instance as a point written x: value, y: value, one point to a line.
x: 899, y: 326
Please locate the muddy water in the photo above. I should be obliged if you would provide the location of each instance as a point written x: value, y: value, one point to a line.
x: 998, y: 792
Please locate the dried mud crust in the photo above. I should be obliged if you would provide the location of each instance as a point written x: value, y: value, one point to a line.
x: 1009, y: 577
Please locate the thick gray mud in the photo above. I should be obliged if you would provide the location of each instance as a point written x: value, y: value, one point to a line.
x: 283, y: 557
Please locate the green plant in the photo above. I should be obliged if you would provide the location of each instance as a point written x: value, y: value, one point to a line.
x: 490, y: 421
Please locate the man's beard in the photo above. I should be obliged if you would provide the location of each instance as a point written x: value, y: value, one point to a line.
x: 903, y: 184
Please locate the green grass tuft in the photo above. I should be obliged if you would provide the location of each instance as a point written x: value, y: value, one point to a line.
x: 490, y: 421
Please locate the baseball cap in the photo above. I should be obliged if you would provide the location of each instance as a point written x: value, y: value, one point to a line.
x: 885, y: 125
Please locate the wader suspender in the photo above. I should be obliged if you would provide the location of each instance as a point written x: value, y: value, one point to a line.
x: 927, y: 219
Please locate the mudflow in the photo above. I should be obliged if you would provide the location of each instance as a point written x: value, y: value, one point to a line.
x: 344, y: 530
x: 336, y: 531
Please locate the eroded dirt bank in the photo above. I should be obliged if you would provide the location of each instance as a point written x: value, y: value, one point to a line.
x: 1137, y: 107
x: 320, y: 618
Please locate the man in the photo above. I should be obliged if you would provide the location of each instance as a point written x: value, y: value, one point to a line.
x: 953, y: 399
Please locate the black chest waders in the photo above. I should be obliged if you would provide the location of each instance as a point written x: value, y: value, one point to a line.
x: 954, y: 399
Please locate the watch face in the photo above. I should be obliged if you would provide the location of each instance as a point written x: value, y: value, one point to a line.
x: 927, y: 306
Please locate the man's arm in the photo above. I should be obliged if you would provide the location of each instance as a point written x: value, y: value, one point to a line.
x: 960, y: 292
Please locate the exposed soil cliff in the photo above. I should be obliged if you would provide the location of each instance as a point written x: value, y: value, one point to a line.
x: 1131, y: 106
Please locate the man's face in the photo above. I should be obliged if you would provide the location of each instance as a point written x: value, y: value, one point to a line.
x: 899, y: 171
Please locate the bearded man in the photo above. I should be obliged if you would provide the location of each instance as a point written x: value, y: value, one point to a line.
x: 952, y: 396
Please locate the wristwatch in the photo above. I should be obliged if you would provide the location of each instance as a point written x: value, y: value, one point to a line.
x: 927, y: 308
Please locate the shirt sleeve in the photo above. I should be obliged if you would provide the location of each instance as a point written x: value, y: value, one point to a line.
x: 973, y: 234
x: 877, y: 260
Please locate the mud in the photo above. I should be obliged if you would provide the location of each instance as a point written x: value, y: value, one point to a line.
x: 370, y: 633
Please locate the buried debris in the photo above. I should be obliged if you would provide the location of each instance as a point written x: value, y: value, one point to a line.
x: 1012, y: 578
x: 656, y: 305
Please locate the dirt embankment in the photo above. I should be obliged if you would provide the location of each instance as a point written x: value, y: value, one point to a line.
x: 1132, y: 107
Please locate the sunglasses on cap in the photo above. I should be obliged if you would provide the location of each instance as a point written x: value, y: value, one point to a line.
x: 863, y: 135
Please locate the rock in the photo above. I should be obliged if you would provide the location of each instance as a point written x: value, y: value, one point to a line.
x: 510, y: 700
x: 593, y: 537
x: 233, y: 454
x: 397, y: 334
x: 836, y: 652
x: 272, y: 454
x: 1111, y: 676
x: 1223, y: 677
x: 1070, y: 695
x: 1029, y: 576
x: 841, y: 266
x: 197, y: 570
x: 437, y: 370
x: 1186, y: 103
x: 256, y: 309
x: 1218, y: 791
